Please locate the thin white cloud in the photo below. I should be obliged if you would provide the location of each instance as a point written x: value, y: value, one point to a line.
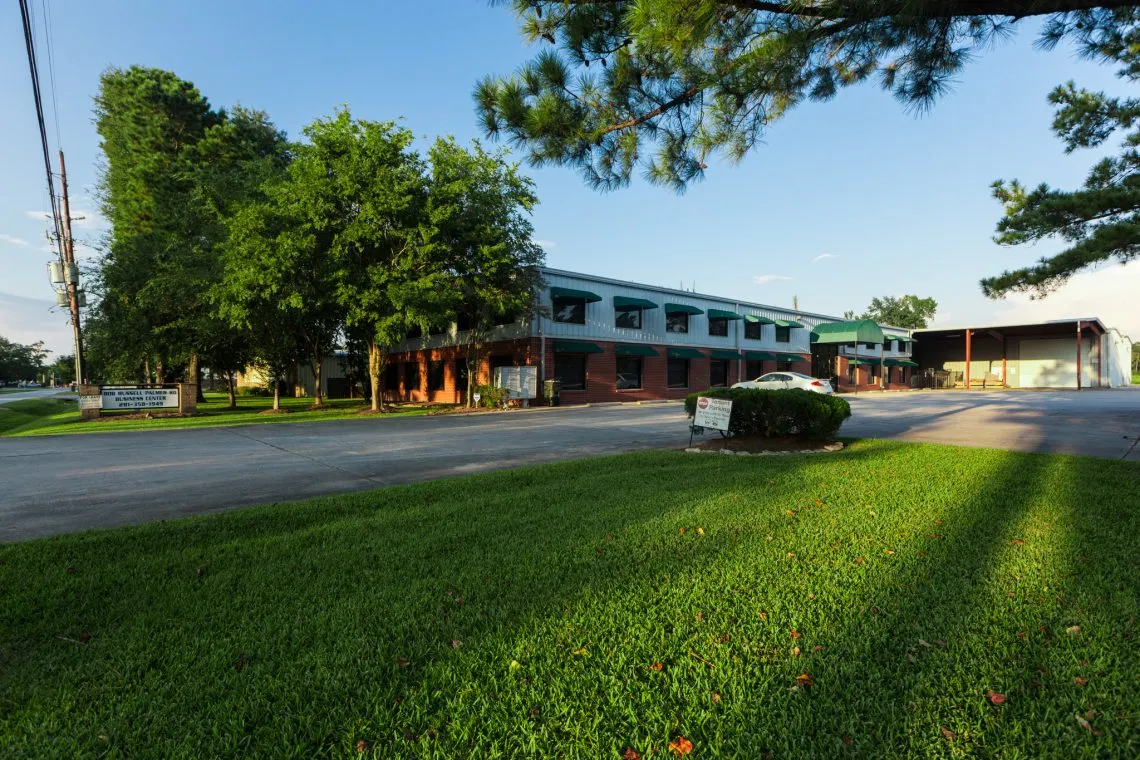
x: 764, y: 279
x: 39, y: 216
x: 547, y: 243
x: 13, y: 240
x: 79, y: 218
x: 824, y: 256
x: 1108, y: 292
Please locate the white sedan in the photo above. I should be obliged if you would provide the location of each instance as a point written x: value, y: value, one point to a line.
x: 781, y: 380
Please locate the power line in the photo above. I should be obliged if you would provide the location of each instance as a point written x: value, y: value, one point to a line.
x: 51, y: 68
x: 29, y: 41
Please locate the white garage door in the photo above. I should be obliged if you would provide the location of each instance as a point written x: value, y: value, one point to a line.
x: 1048, y: 364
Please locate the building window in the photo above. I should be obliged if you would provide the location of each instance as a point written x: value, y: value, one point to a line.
x: 570, y: 371
x: 628, y: 373
x: 411, y: 376
x: 572, y: 310
x: 392, y: 377
x: 783, y: 334
x: 435, y: 376
x: 678, y: 373
x: 718, y: 326
x: 752, y: 330
x: 753, y: 370
x: 461, y: 374
x: 902, y: 345
x: 628, y: 317
x: 783, y: 366
x: 852, y: 373
x: 718, y: 373
x: 677, y: 322
x: 869, y: 346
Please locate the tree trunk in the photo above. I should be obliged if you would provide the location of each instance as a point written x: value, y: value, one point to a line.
x: 195, y: 373
x: 230, y: 382
x: 276, y: 393
x: 316, y: 367
x: 374, y: 368
x: 146, y: 371
x: 159, y: 372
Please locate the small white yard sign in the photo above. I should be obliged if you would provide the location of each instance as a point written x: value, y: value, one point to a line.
x: 712, y: 413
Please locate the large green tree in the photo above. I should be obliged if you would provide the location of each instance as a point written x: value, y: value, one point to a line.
x: 479, y: 238
x: 665, y: 84
x: 20, y: 362
x: 1099, y: 222
x: 902, y: 311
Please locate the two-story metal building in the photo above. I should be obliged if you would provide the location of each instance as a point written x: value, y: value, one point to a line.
x: 609, y: 340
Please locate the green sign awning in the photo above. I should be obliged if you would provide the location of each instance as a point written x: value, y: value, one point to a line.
x: 862, y: 362
x: 572, y: 293
x: 723, y: 354
x: 633, y: 349
x: 576, y: 347
x: 856, y: 331
x: 722, y: 314
x: 901, y: 363
x: 684, y: 353
x: 786, y: 356
x: 759, y: 356
x: 787, y: 323
x: 625, y: 302
x: 681, y: 308
x: 756, y: 319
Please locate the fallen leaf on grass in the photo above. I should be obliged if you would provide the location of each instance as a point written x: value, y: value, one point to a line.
x: 631, y: 754
x: 995, y: 697
x: 1021, y: 635
x: 716, y: 697
x: 848, y: 741
x: 950, y: 735
x: 762, y: 615
x: 888, y: 551
x: 803, y: 680
x: 700, y: 531
x: 459, y: 600
x: 515, y: 666
x: 402, y: 662
x: 1081, y: 680
x: 723, y: 639
x: 680, y: 746
x: 940, y: 642
x: 456, y: 644
x: 817, y: 648
x: 1073, y: 630
x: 790, y: 512
x: 791, y: 555
x: 657, y: 666
x: 795, y: 634
x: 680, y: 531
x: 936, y: 535
x: 363, y: 746
x: 1018, y: 542
x: 1087, y: 726
x: 1012, y: 594
x: 600, y: 550
x: 581, y: 652
x: 860, y: 560
x: 924, y: 643
x: 939, y: 523
x: 811, y: 596
x: 795, y: 651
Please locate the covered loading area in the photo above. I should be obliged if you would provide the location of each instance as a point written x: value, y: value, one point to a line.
x: 1063, y: 353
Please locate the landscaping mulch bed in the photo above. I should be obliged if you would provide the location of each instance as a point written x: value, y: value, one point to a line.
x: 757, y: 444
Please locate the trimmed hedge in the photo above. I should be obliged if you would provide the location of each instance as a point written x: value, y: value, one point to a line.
x: 778, y: 413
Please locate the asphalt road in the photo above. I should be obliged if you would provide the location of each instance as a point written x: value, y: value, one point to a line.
x: 57, y: 484
x: 24, y: 395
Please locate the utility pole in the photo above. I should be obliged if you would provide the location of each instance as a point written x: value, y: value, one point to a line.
x: 71, y: 272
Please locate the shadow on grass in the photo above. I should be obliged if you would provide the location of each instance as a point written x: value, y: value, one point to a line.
x: 396, y: 615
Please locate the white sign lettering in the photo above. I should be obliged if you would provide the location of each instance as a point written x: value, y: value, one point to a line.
x: 90, y: 402
x: 140, y: 398
x: 712, y: 413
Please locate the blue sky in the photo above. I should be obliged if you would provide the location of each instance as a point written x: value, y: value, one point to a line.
x: 843, y: 201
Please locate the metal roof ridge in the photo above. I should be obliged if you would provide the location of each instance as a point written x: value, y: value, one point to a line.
x: 1010, y: 324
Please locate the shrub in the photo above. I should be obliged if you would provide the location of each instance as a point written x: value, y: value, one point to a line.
x: 778, y: 413
x: 253, y: 390
x: 492, y: 397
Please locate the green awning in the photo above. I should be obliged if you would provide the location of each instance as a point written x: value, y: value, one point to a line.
x: 756, y: 319
x: 723, y: 354
x: 722, y: 314
x: 625, y: 302
x: 787, y: 323
x: 759, y: 356
x: 856, y: 331
x: 786, y: 356
x: 680, y: 308
x: 576, y: 347
x: 633, y: 349
x: 571, y: 293
x: 901, y: 363
x: 862, y: 362
x: 684, y: 353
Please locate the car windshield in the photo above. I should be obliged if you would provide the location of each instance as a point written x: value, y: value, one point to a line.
x: 801, y: 377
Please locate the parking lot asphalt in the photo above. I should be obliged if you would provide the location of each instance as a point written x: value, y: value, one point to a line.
x: 65, y: 483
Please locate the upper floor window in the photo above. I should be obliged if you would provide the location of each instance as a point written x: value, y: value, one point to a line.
x: 718, y: 326
x: 783, y: 334
x: 676, y: 322
x: 752, y: 330
x: 570, y: 309
x: 628, y: 317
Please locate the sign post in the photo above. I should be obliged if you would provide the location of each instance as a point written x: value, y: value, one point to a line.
x: 712, y: 413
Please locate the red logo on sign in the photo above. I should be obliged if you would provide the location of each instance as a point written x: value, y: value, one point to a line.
x: 703, y: 403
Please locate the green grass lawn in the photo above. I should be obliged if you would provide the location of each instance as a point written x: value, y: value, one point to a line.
x: 50, y: 416
x: 580, y: 609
